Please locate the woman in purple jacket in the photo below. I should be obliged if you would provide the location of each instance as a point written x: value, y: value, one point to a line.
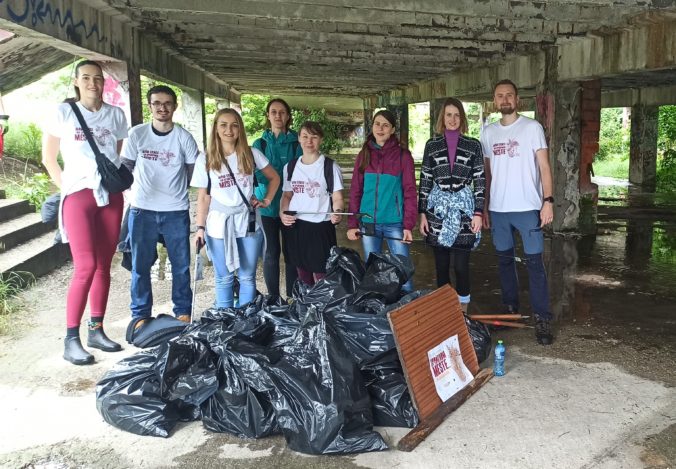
x: 383, y: 186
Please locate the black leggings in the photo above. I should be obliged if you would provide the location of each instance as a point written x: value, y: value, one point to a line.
x: 442, y: 262
x: 272, y: 227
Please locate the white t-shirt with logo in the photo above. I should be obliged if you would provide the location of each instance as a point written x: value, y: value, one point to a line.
x: 160, y: 177
x: 224, y: 190
x: 108, y: 125
x: 515, y: 174
x: 309, y: 189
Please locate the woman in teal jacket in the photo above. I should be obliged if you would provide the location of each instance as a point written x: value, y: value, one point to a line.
x: 280, y: 145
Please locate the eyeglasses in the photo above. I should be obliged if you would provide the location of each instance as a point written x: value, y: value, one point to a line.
x: 159, y: 105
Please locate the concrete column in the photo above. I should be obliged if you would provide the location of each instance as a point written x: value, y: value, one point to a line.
x: 193, y: 115
x: 435, y: 109
x: 558, y: 111
x: 591, y: 125
x: 368, y: 120
x: 643, y: 151
x: 401, y: 112
x: 135, y: 99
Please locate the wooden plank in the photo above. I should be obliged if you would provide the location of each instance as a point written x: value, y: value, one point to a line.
x: 420, y: 326
x: 430, y: 423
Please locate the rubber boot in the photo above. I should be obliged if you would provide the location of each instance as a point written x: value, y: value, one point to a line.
x: 98, y: 339
x: 75, y: 353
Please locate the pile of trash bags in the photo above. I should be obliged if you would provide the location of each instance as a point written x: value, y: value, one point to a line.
x: 322, y: 371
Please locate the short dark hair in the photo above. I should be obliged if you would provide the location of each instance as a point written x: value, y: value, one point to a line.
x: 312, y: 127
x: 506, y: 81
x: 161, y: 89
x: 268, y: 124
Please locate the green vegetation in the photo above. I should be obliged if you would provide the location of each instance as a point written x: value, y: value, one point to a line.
x: 24, y: 141
x: 612, y: 160
x: 11, y: 285
x: 253, y: 114
x: 35, y: 189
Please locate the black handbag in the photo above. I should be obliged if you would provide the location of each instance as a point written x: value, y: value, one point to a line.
x: 154, y: 331
x: 113, y: 179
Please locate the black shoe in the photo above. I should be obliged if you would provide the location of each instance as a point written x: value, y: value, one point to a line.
x: 543, y: 332
x: 509, y: 309
x: 75, y: 353
x: 98, y: 339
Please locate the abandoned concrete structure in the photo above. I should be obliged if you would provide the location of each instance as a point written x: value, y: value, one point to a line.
x: 571, y: 58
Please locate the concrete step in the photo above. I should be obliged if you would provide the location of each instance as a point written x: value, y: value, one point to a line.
x: 38, y: 256
x: 12, y: 208
x: 21, y: 229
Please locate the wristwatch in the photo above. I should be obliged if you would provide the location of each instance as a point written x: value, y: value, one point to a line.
x: 549, y: 199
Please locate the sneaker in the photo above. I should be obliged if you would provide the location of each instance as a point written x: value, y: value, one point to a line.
x: 543, y: 332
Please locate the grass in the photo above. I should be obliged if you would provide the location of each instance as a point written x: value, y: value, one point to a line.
x: 615, y: 168
x: 11, y: 284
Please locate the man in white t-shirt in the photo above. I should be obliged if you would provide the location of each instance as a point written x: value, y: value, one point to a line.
x: 519, y: 189
x: 162, y: 157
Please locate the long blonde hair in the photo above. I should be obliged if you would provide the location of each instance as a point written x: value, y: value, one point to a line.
x: 216, y: 157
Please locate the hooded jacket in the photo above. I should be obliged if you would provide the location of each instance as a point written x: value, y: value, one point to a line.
x: 279, y: 151
x: 386, y: 189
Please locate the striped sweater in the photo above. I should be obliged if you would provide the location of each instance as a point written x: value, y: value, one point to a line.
x: 468, y: 170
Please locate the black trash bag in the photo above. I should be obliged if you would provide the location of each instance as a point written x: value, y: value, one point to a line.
x: 187, y: 371
x: 129, y: 397
x: 237, y: 408
x: 218, y: 326
x: 390, y: 399
x: 384, y: 277
x: 320, y: 401
x: 364, y: 335
x: 370, y: 341
x: 332, y: 293
x: 481, y: 338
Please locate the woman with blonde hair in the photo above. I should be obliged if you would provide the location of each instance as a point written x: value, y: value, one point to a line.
x: 451, y: 196
x: 227, y: 217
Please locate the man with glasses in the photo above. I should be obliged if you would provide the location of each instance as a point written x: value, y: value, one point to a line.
x: 162, y: 157
x: 519, y: 190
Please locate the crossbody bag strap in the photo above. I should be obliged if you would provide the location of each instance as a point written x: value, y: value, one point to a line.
x: 85, y: 128
x: 246, y: 202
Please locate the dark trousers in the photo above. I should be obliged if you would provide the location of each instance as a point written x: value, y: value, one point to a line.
x: 538, y: 288
x: 272, y: 227
x: 442, y: 263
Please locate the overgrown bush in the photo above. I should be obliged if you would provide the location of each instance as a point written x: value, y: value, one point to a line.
x: 35, y: 189
x: 24, y: 141
x: 614, y: 139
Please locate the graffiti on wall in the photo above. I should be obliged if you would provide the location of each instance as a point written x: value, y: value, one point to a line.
x: 40, y: 12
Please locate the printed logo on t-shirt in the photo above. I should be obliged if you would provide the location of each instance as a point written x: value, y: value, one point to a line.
x: 163, y: 156
x: 225, y: 180
x: 101, y: 135
x: 311, y: 188
x: 511, y: 148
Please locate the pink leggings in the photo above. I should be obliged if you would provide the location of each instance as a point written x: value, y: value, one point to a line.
x: 92, y: 233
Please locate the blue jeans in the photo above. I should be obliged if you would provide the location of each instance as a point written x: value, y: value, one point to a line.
x: 249, y: 249
x: 145, y: 229
x: 375, y: 244
x: 503, y: 227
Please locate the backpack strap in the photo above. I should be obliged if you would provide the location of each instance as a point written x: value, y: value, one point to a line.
x: 290, y: 166
x: 328, y: 174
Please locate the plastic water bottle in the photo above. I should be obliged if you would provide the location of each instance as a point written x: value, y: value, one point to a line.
x: 499, y: 360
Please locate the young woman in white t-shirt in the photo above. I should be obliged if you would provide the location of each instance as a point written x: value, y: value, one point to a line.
x: 230, y: 226
x: 89, y: 217
x: 310, y: 234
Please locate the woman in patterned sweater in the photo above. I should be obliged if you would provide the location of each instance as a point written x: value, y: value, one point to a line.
x: 451, y: 196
